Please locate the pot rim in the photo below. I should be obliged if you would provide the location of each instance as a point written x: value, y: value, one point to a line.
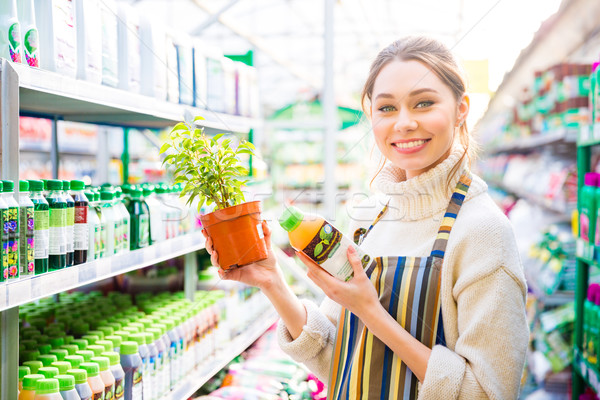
x: 231, y: 213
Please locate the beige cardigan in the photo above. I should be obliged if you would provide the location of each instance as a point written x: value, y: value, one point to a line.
x: 483, y: 286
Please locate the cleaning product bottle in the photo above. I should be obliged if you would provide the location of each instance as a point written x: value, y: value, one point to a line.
x: 140, y: 339
x: 80, y: 227
x: 29, y: 386
x: 10, y: 31
x: 107, y: 377
x: 47, y: 389
x: 23, y: 371
x: 153, y: 363
x: 321, y: 242
x: 41, y: 215
x: 70, y: 222
x: 58, y: 37
x: 94, y: 380
x: 30, y: 33
x: 125, y: 221
x: 99, y: 234
x: 81, y: 383
x: 8, y: 188
x: 26, y: 231
x: 66, y: 384
x: 132, y: 366
x: 112, y: 223
x: 140, y: 223
x: 117, y: 372
x: 57, y: 258
x: 89, y: 41
x: 4, y: 221
x: 157, y: 229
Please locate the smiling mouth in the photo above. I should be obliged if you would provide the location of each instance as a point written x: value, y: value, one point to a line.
x: 410, y: 145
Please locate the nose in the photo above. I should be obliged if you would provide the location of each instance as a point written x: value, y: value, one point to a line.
x: 405, y: 121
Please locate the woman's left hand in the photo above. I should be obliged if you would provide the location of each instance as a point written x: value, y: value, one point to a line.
x: 357, y: 295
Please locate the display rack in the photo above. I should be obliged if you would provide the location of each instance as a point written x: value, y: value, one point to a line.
x: 33, y: 92
x: 562, y: 135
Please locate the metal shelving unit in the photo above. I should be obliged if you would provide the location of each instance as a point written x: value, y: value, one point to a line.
x: 34, y: 92
x: 563, y: 135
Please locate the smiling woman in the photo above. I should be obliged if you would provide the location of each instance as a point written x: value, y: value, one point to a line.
x: 440, y: 311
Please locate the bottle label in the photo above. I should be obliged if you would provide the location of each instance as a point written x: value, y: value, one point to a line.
x: 27, y: 247
x: 136, y: 387
x: 329, y: 250
x: 117, y: 237
x: 40, y: 233
x: 57, y: 231
x: 98, y: 396
x: 109, y: 392
x: 119, y: 388
x: 144, y: 230
x: 14, y: 42
x: 125, y: 235
x: 70, y: 228
x: 5, y: 251
x: 99, y: 243
x: 31, y: 46
x: 13, y: 241
x: 80, y: 230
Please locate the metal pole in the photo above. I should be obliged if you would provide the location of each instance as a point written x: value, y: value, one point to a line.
x: 329, y: 113
x: 9, y: 319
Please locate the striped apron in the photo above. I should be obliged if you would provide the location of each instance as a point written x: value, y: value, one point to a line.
x: 363, y: 367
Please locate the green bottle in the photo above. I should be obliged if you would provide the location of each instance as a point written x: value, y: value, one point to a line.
x: 140, y: 219
x: 12, y: 224
x: 3, y: 238
x: 57, y: 255
x: 100, y: 234
x: 26, y: 231
x: 66, y: 186
x: 41, y: 216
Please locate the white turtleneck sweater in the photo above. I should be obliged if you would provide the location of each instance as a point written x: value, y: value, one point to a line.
x: 483, y: 288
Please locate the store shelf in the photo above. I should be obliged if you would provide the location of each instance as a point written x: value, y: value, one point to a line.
x: 202, y: 374
x: 25, y: 290
x: 586, y: 371
x: 562, y: 135
x: 558, y: 298
x: 547, y: 204
x: 45, y: 94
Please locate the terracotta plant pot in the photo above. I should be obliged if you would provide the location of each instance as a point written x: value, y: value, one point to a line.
x: 237, y: 234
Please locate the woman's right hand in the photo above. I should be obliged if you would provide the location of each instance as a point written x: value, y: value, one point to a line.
x: 262, y: 274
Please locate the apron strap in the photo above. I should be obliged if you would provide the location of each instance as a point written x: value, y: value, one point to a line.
x: 441, y: 241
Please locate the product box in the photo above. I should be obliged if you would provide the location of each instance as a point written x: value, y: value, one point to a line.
x: 153, y: 53
x: 58, y: 36
x: 110, y: 43
x: 200, y: 75
x: 89, y: 40
x: 128, y: 29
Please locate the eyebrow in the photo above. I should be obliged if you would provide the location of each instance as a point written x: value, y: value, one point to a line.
x: 413, y: 93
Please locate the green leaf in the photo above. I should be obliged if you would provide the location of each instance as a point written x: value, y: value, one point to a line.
x: 164, y: 147
x: 322, y: 234
x: 168, y: 159
x: 198, y: 118
x: 245, y: 151
x: 326, y: 241
x: 218, y: 136
x: 181, y: 126
x: 318, y: 249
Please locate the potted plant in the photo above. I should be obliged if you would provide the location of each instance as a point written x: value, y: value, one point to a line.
x: 211, y: 172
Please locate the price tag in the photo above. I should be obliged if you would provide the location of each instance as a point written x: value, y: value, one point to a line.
x: 580, y: 249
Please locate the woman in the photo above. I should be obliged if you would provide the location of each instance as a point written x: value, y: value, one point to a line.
x: 440, y: 314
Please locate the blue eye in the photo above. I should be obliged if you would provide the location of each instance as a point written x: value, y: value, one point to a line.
x: 387, y: 108
x: 423, y: 104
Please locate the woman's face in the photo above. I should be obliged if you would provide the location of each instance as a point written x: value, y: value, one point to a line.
x: 414, y: 116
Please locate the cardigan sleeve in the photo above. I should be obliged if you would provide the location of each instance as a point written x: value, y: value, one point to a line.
x: 314, y: 346
x: 474, y: 369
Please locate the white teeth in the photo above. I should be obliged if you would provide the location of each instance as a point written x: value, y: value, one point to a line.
x: 409, y: 145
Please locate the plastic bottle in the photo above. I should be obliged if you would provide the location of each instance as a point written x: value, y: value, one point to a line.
x: 94, y: 380
x: 75, y: 360
x: 34, y: 365
x: 166, y: 360
x: 117, y: 372
x: 23, y: 371
x: 125, y: 221
x: 321, y: 242
x: 140, y: 222
x: 592, y: 326
x: 100, y: 240
x: 140, y: 339
x: 10, y: 31
x: 57, y: 258
x: 169, y: 213
x: 108, y: 19
x: 4, y: 220
x: 66, y: 186
x: 13, y: 229
x: 47, y: 389
x: 41, y: 216
x: 112, y: 223
x: 30, y: 39
x: 153, y: 55
x: 157, y: 228
x: 26, y: 231
x: 592, y: 204
x: 80, y: 227
x: 89, y: 41
x: 48, y: 372
x: 29, y: 386
x: 66, y: 384
x: 62, y: 366
x: 175, y: 354
x: 81, y: 383
x: 157, y: 353
x: 106, y: 376
x: 129, y: 49
x: 132, y: 366
x: 93, y: 225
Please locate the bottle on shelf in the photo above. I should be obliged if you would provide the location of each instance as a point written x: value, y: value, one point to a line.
x: 140, y: 222
x: 80, y: 227
x: 144, y: 352
x: 89, y: 41
x: 12, y: 225
x: 3, y: 238
x: 26, y: 231
x: 94, y: 379
x: 106, y: 375
x: 66, y: 384
x: 81, y: 383
x: 587, y: 216
x: 30, y: 36
x: 10, y: 31
x: 116, y: 371
x: 41, y: 213
x: 157, y: 228
x: 113, y: 223
x: 132, y: 366
x: 100, y: 240
x: 57, y: 252
x: 29, y: 386
x: 70, y: 222
x: 125, y: 220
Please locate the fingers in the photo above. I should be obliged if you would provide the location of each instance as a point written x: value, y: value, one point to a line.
x: 355, y: 261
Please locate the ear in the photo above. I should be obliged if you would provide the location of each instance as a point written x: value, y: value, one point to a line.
x: 463, y: 108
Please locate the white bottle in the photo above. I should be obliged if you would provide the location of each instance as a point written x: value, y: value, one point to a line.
x: 125, y: 222
x: 112, y: 223
x: 157, y: 227
x: 10, y: 31
x: 153, y: 59
x: 30, y: 36
x: 110, y: 52
x: 172, y: 75
x: 229, y: 76
x: 185, y: 68
x: 215, y: 76
x: 130, y: 71
x: 199, y: 74
x: 93, y: 226
x: 89, y: 41
x: 58, y: 37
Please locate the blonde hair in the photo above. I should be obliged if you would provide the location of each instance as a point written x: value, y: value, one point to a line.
x: 439, y: 59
